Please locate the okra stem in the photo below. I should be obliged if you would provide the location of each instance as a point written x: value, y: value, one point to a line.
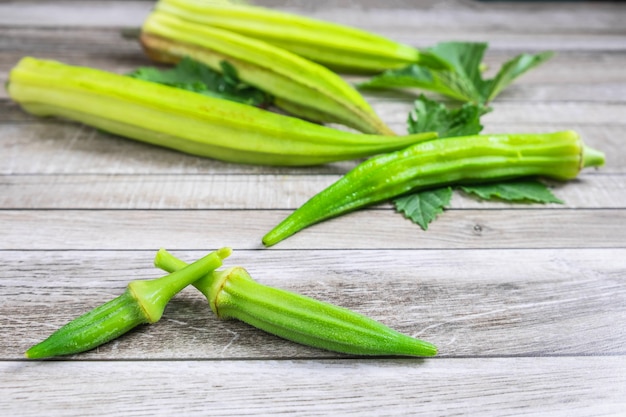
x: 592, y: 157
x: 232, y: 293
x: 440, y: 162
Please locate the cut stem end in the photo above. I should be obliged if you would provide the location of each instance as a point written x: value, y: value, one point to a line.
x: 592, y: 157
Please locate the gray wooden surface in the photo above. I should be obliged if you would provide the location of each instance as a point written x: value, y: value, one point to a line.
x: 526, y: 303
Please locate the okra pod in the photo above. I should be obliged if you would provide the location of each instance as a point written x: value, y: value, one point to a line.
x: 233, y: 294
x: 186, y: 121
x: 142, y: 302
x: 439, y: 162
x: 299, y: 86
x: 339, y: 47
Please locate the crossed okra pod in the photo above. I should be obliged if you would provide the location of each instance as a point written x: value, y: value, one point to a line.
x: 232, y: 294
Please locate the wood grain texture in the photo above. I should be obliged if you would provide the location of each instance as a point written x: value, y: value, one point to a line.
x: 537, y: 386
x: 243, y: 229
x: 526, y: 303
x: 51, y: 147
x: 248, y: 192
x: 468, y: 302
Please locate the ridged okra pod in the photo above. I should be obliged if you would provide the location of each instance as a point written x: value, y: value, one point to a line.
x: 299, y: 86
x: 233, y: 294
x: 186, y: 121
x: 142, y: 302
x: 339, y: 47
x: 439, y: 162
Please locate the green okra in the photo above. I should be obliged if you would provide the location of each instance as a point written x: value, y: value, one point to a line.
x: 233, y: 294
x: 440, y: 162
x: 299, y: 86
x: 186, y: 121
x: 142, y: 302
x: 339, y: 47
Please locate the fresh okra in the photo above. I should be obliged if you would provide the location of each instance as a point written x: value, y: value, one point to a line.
x: 233, y: 294
x: 186, y: 121
x: 299, y: 86
x: 336, y: 46
x: 439, y: 162
x: 142, y: 302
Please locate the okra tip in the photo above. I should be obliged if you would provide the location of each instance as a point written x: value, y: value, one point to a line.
x: 35, y: 353
x: 592, y: 157
x: 428, y: 349
x: 274, y: 236
x: 224, y: 252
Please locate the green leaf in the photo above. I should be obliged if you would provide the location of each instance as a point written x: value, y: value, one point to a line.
x: 429, y: 115
x: 229, y: 72
x: 462, y: 80
x: 465, y: 59
x: 194, y: 76
x: 448, y: 83
x: 515, y: 191
x: 511, y: 70
x: 423, y: 207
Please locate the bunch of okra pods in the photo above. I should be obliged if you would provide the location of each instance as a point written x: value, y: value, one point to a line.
x: 257, y: 86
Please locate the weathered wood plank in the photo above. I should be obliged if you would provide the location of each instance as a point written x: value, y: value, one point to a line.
x: 68, y: 13
x: 467, y: 302
x: 50, y: 147
x: 525, y: 305
x: 397, y: 18
x: 117, y: 49
x: 245, y: 191
x: 243, y: 229
x: 493, y: 387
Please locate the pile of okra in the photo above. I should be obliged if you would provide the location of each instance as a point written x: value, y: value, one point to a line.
x: 259, y: 86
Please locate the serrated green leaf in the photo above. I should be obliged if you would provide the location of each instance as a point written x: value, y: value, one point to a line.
x: 462, y: 80
x: 447, y: 83
x: 514, y: 191
x: 465, y: 59
x: 194, y: 76
x: 512, y: 70
x: 429, y: 115
x: 423, y: 207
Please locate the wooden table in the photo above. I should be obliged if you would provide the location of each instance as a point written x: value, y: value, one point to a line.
x: 526, y: 303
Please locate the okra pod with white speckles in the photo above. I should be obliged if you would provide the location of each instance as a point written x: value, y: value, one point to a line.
x: 233, y: 294
x: 440, y: 162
